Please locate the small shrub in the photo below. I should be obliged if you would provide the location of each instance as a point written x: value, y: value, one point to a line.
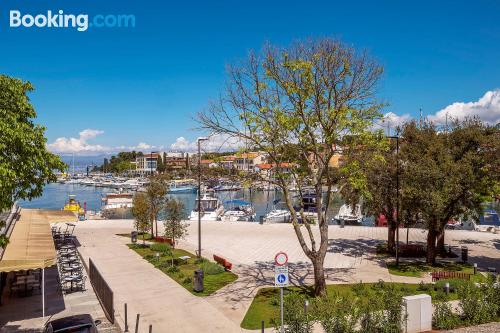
x: 210, y: 268
x: 180, y: 275
x: 443, y: 317
x: 295, y: 318
x: 424, y: 286
x: 359, y: 289
x: 163, y: 248
x: 200, y: 260
x: 187, y: 280
x: 149, y: 257
x: 172, y: 269
x: 380, y: 285
x: 337, y: 314
x: 475, y: 303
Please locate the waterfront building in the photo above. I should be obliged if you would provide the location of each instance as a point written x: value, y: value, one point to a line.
x: 248, y: 161
x: 146, y: 164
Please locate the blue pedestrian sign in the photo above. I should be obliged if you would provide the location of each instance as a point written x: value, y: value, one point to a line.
x: 281, y: 276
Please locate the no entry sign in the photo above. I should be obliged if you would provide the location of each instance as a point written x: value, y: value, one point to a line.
x: 281, y: 259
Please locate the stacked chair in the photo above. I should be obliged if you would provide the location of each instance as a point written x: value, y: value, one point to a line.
x: 71, y: 272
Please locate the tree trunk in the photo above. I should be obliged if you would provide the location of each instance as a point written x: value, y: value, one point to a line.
x: 431, y: 246
x: 319, y: 277
x: 391, y: 238
x: 156, y: 226
x: 440, y: 242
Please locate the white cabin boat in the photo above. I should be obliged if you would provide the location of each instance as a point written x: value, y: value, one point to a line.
x: 350, y: 215
x: 240, y: 211
x: 211, y: 209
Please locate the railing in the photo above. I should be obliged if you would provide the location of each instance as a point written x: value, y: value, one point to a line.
x: 103, y: 291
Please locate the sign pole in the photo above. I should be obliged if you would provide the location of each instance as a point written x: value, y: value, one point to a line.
x: 281, y: 310
x: 281, y: 280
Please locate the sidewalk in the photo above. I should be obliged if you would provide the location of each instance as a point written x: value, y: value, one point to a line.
x: 159, y: 300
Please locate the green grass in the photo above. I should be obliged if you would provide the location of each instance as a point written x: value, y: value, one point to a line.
x: 265, y: 305
x: 184, y: 269
x: 418, y: 269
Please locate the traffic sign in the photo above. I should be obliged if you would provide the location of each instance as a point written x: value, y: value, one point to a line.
x: 281, y: 259
x: 281, y: 276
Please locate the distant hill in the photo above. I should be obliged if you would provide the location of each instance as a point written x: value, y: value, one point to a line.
x: 81, y: 162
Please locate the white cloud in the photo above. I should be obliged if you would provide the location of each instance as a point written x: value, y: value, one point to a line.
x: 81, y: 146
x: 487, y: 108
x: 215, y: 142
x: 391, y: 119
x: 78, y: 145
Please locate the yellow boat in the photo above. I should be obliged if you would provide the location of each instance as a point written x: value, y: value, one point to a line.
x: 73, y: 205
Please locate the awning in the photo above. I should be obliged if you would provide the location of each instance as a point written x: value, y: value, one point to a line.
x: 30, y: 244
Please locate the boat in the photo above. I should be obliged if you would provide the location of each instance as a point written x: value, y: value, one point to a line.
x: 309, y: 206
x: 211, y: 208
x: 279, y: 214
x: 349, y: 215
x: 227, y: 186
x: 182, y: 186
x: 117, y: 205
x: 73, y: 206
x: 240, y: 211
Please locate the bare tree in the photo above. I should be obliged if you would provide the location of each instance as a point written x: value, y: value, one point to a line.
x: 302, y: 105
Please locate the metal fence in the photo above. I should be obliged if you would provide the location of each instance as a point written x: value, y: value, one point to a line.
x: 103, y: 291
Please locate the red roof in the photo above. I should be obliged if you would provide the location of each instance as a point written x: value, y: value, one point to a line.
x: 267, y: 166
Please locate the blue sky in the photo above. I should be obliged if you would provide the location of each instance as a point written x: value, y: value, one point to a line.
x: 144, y: 84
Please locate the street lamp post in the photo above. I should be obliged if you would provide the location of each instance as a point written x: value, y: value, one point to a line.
x: 199, y: 194
x: 397, y: 196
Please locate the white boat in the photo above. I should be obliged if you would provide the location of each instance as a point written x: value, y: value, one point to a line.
x: 211, y: 209
x: 117, y: 205
x: 350, y: 215
x: 182, y: 186
x: 240, y: 211
x: 278, y: 216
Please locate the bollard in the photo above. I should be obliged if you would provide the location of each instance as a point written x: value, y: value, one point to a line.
x: 137, y: 324
x: 447, y: 288
x: 262, y: 326
x: 475, y: 268
x: 150, y: 328
x: 306, y: 306
x: 126, y: 322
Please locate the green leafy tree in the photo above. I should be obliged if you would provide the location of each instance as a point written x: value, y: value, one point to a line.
x: 141, y: 211
x: 302, y: 105
x: 446, y: 174
x: 26, y: 165
x: 174, y: 227
x: 155, y: 192
x: 160, y: 166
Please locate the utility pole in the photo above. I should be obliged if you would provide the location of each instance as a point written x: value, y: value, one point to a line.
x: 199, y: 194
x: 421, y: 118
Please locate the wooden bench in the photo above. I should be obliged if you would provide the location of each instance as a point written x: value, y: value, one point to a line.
x: 439, y: 275
x: 223, y: 262
x: 164, y: 240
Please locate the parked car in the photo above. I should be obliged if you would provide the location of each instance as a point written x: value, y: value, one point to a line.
x: 82, y: 323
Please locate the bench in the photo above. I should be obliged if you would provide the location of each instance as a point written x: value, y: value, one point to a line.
x: 223, y: 262
x: 164, y: 240
x: 438, y: 275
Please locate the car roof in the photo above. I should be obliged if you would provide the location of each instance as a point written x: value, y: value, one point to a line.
x: 72, y: 322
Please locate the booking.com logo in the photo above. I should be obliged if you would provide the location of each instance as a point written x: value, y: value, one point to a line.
x: 59, y: 19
